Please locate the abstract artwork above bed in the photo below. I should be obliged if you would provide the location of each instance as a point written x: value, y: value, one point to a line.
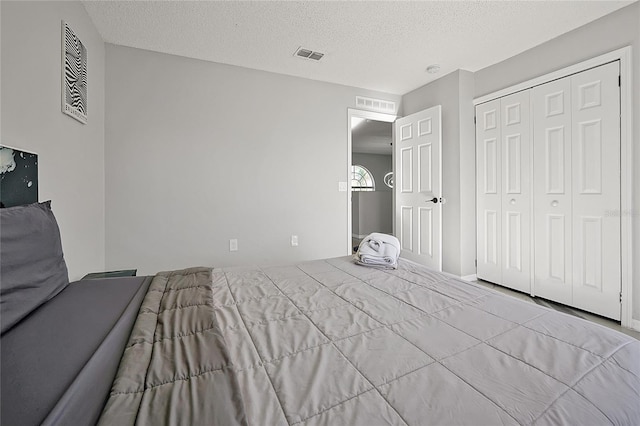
x: 18, y: 177
x: 74, y: 75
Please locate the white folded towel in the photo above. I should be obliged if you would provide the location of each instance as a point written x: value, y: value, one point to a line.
x: 379, y: 250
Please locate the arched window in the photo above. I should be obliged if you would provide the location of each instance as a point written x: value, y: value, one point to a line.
x: 361, y: 179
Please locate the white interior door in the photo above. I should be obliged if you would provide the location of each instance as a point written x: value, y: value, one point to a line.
x: 552, y: 191
x: 488, y: 192
x: 596, y: 190
x: 418, y: 186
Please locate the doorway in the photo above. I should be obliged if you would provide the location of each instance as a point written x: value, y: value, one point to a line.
x: 370, y: 175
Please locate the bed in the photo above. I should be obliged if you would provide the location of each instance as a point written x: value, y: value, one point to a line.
x: 330, y: 342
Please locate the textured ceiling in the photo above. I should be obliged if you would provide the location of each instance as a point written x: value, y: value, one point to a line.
x: 383, y: 46
x: 372, y: 137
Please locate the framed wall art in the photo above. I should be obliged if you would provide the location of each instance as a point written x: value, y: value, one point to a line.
x: 18, y: 177
x: 74, y: 75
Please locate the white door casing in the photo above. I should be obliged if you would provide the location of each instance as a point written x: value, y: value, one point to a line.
x: 418, y: 181
x: 369, y: 115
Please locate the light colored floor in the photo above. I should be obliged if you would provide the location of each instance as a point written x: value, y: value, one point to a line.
x: 562, y: 308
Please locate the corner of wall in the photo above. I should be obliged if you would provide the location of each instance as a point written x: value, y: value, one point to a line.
x: 467, y: 174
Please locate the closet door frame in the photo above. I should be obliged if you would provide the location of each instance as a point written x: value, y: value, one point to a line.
x: 626, y: 172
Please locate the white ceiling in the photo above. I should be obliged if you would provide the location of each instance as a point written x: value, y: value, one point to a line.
x: 383, y: 46
x: 371, y: 137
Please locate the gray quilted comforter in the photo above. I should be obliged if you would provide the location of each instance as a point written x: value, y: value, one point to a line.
x: 333, y: 343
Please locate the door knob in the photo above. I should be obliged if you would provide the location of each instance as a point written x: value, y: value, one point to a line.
x: 554, y: 203
x: 434, y: 200
x: 512, y: 201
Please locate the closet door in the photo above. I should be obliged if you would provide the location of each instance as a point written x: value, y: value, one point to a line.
x: 516, y: 191
x: 596, y: 190
x: 577, y: 190
x: 488, y: 192
x: 554, y: 151
x: 552, y: 190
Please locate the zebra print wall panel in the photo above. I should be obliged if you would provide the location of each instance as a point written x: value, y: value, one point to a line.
x: 74, y: 75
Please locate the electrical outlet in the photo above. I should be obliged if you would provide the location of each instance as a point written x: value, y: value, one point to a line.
x: 233, y: 245
x: 294, y: 241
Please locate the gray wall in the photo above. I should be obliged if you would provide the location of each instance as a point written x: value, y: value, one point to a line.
x: 455, y: 93
x: 70, y: 154
x: 378, y: 165
x: 467, y: 175
x: 198, y: 153
x: 373, y: 211
x: 619, y: 29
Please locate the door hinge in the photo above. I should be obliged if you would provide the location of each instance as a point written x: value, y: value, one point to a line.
x: 620, y: 297
x: 619, y: 81
x: 475, y: 120
x: 476, y: 263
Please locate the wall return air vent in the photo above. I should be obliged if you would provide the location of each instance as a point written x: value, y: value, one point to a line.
x: 308, y: 54
x: 376, y: 104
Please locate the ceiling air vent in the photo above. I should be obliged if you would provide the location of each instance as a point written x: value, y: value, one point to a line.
x: 376, y: 104
x: 308, y: 54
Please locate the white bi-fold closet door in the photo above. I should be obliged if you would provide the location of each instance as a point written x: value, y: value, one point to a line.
x: 576, y: 128
x: 504, y: 191
x: 565, y: 158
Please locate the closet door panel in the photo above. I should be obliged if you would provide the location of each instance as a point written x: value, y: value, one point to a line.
x: 552, y: 190
x: 515, y: 191
x: 488, y: 192
x: 595, y: 164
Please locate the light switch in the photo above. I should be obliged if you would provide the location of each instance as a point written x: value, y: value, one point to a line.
x: 342, y: 186
x: 294, y: 241
x: 233, y: 245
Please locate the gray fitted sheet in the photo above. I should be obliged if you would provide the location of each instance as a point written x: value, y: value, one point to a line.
x: 58, y: 363
x: 334, y: 343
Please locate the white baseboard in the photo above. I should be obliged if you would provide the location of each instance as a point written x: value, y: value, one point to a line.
x: 473, y: 277
x: 635, y: 325
x: 358, y: 236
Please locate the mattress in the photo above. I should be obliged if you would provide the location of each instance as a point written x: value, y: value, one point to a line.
x: 330, y: 342
x: 58, y: 363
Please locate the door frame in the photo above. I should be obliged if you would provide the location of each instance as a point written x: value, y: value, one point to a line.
x: 626, y: 155
x: 370, y: 115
